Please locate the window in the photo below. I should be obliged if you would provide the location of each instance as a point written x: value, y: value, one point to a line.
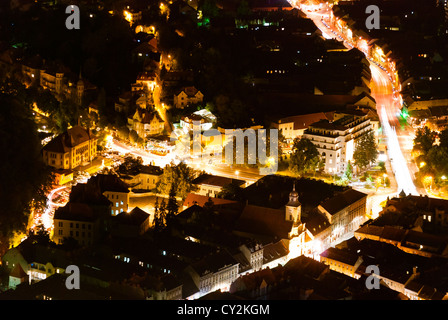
x: 60, y: 232
x: 61, y: 224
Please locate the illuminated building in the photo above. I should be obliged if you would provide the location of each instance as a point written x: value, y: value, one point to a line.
x: 132, y: 16
x: 75, y: 147
x: 114, y: 189
x: 210, y: 185
x: 345, y: 212
x: 294, y: 127
x: 77, y: 221
x: 214, y: 272
x: 146, y: 123
x: 342, y: 261
x: 187, y: 96
x: 336, y: 140
x: 144, y: 178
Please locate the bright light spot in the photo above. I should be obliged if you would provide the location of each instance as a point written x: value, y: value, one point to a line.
x: 127, y: 16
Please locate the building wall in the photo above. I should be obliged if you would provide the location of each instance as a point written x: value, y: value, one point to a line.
x: 341, y: 267
x: 83, y: 152
x: 182, y: 99
x: 348, y: 219
x: 39, y: 271
x: 145, y: 181
x: 120, y: 201
x: 218, y: 280
x: 208, y: 190
x: 82, y: 231
x: 336, y: 147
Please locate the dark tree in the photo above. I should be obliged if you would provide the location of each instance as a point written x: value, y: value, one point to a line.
x: 25, y: 179
x: 424, y: 140
x: 232, y: 191
x: 157, y: 223
x: 179, y: 175
x: 305, y: 157
x: 40, y: 236
x: 172, y: 207
x: 366, y: 150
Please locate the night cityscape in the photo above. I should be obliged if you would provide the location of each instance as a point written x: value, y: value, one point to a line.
x: 244, y: 150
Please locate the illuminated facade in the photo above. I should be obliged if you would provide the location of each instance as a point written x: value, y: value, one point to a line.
x: 146, y: 123
x: 336, y: 140
x: 188, y: 96
x: 345, y: 212
x: 214, y: 272
x: 75, y: 147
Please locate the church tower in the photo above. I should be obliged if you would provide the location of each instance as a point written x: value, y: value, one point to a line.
x: 293, y: 210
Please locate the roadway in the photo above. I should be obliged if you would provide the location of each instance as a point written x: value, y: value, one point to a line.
x: 399, y: 135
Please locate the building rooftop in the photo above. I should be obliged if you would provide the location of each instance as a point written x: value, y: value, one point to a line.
x: 135, y: 217
x: 305, y: 120
x: 264, y: 222
x: 73, y: 137
x: 342, y: 200
x: 274, y: 251
x: 108, y: 182
x: 75, y: 212
x: 340, y: 255
x: 214, y: 262
x: 217, y: 181
x: 200, y: 200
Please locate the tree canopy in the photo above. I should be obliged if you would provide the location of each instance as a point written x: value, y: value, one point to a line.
x: 25, y: 179
x: 304, y: 158
x: 425, y: 139
x: 181, y: 176
x: 366, y: 151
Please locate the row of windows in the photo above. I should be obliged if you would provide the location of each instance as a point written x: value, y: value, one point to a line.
x: 112, y: 196
x: 76, y: 233
x: 220, y: 277
x: 76, y: 225
x: 142, y: 264
x: 340, y: 265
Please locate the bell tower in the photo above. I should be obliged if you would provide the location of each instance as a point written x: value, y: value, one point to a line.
x: 293, y: 209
